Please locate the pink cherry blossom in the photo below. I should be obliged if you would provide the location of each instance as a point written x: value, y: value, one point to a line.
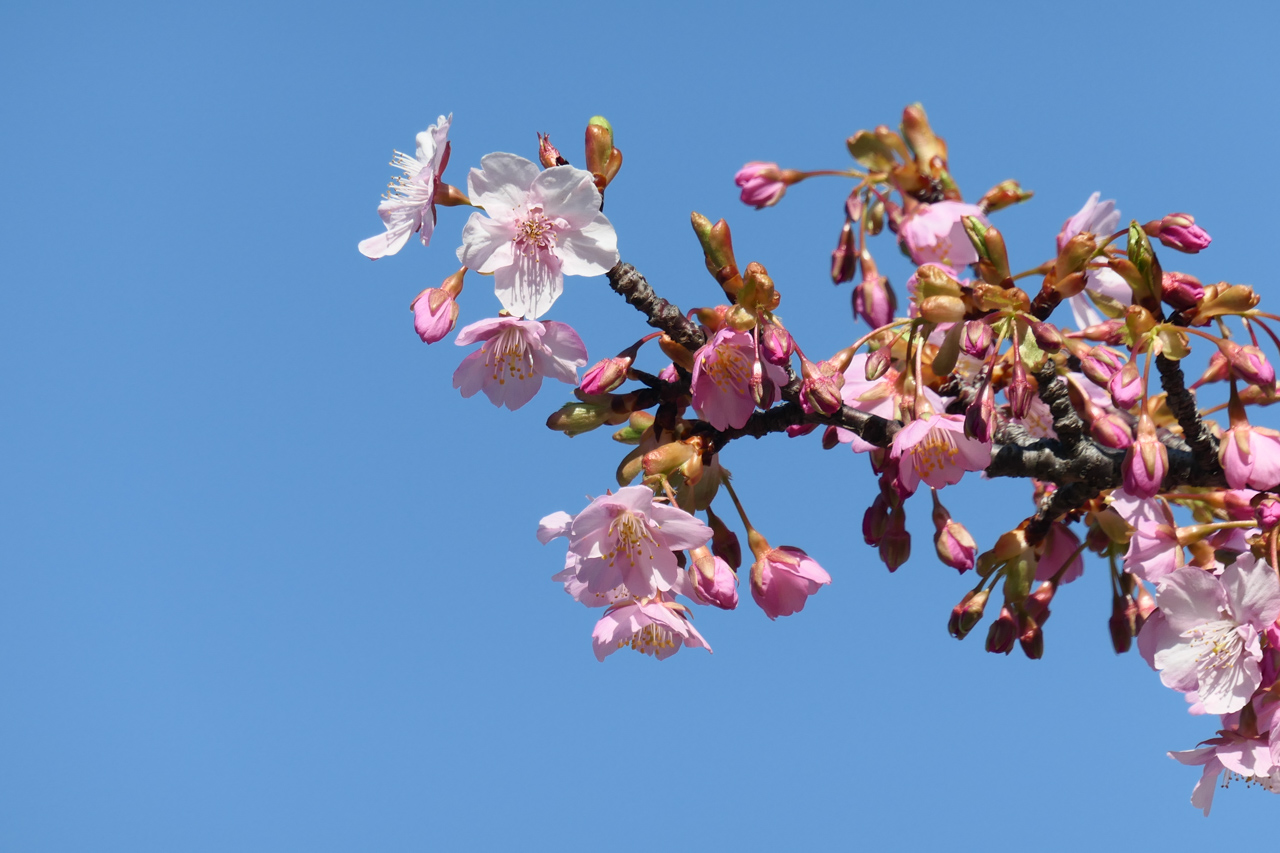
x: 435, y: 312
x: 713, y: 581
x: 541, y: 225
x: 722, y: 379
x: 936, y: 450
x: 783, y: 579
x: 657, y: 628
x: 934, y: 233
x: 1249, y: 759
x: 626, y: 539
x: 1251, y: 457
x: 1207, y: 637
x: 514, y: 356
x: 1060, y: 545
x: 1154, y: 551
x: 761, y: 184
x: 1101, y: 218
x: 875, y: 398
x: 409, y: 206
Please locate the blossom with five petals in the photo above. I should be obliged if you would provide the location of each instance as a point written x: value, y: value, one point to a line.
x: 410, y: 205
x: 936, y: 450
x: 626, y: 539
x: 541, y: 225
x: 514, y: 356
x: 722, y: 379
x: 1247, y: 758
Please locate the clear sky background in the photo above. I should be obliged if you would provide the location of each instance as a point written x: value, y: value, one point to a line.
x: 268, y: 583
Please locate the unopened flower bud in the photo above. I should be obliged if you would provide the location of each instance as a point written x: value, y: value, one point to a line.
x: 435, y: 312
x: 878, y: 363
x: 714, y: 582
x: 776, y: 344
x: 1003, y: 632
x: 1123, y: 613
x: 1181, y: 291
x: 667, y: 458
x: 955, y: 546
x: 599, y: 146
x: 967, y: 613
x: 1047, y: 336
x: 1125, y: 386
x: 820, y: 390
x: 576, y: 418
x: 1111, y: 431
x: 1267, y: 513
x: 874, y: 217
x: 1219, y: 370
x: 873, y: 299
x: 1179, y: 231
x: 1019, y: 391
x: 1037, y: 603
x: 724, y: 542
x: 606, y: 375
x: 977, y: 340
x: 1075, y: 253
x: 844, y: 258
x: 830, y: 438
x: 875, y: 521
x: 1146, y: 462
x: 895, y: 546
x: 1003, y: 195
x: 980, y: 417
x: 1030, y: 637
x: 762, y: 387
x: 764, y: 184
x: 1248, y: 363
x: 1100, y: 364
x: 548, y: 154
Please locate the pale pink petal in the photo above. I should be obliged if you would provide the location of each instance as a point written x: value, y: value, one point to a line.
x: 591, y: 250
x: 561, y: 354
x: 680, y: 530
x: 501, y: 183
x: 554, y: 526
x: 1225, y: 688
x: 471, y: 374
x: 1253, y: 591
x: 483, y: 330
x: 486, y: 244
x: 529, y: 285
x: 1190, y: 597
x: 566, y: 193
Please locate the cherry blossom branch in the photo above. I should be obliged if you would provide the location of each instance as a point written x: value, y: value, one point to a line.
x: 1066, y: 421
x: 631, y: 286
x: 1182, y: 402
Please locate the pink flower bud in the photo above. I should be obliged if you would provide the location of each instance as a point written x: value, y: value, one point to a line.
x: 548, y: 154
x: 606, y: 375
x: 797, y: 430
x: 875, y: 521
x: 1037, y: 603
x: 724, y: 542
x: 1219, y: 370
x: 1031, y: 638
x: 1146, y: 463
x: 830, y: 438
x: 844, y: 259
x: 878, y: 364
x: 1268, y: 513
x: 776, y: 344
x: 1180, y: 291
x: 1111, y: 431
x: 434, y: 314
x: 895, y: 547
x: 955, y: 546
x: 977, y: 339
x: 714, y: 582
x: 762, y: 387
x: 967, y: 613
x: 762, y: 184
x: 1179, y: 231
x: 1100, y: 364
x: 820, y: 390
x: 1110, y: 332
x: 782, y: 579
x: 1047, y: 336
x: 873, y: 301
x: 980, y: 417
x: 1002, y: 633
x: 1248, y: 363
x: 1125, y: 386
x: 1124, y: 611
x: 1019, y: 391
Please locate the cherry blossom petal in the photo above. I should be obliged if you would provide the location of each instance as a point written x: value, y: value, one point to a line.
x: 1253, y: 591
x: 590, y: 250
x: 680, y: 529
x: 554, y: 526
x: 486, y: 244
x: 567, y: 193
x: 561, y: 354
x: 529, y: 285
x: 501, y: 183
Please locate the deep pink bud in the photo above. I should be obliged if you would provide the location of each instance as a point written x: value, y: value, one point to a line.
x: 1111, y: 431
x: 980, y: 417
x: 820, y: 390
x: 762, y: 387
x: 1037, y: 604
x: 1248, y: 363
x: 873, y: 301
x: 1047, y: 336
x: 724, y: 542
x: 782, y: 579
x: 895, y: 547
x: 797, y: 430
x: 1180, y: 291
x: 1268, y: 513
x: 830, y: 438
x: 776, y: 344
x: 977, y: 339
x: 1110, y: 332
x: 1146, y: 463
x: 955, y: 546
x: 844, y: 259
x: 1179, y: 231
x: 967, y: 613
x: 1003, y: 632
x: 434, y: 314
x: 713, y: 581
x: 878, y: 364
x: 1100, y: 364
x: 606, y: 375
x: 1019, y: 391
x: 1031, y: 638
x: 1125, y: 386
x: 875, y: 521
x: 1124, y: 611
x: 762, y: 184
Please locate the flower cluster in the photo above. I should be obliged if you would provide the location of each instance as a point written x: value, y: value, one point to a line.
x: 1075, y: 382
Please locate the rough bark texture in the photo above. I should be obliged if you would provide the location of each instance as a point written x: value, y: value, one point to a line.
x: 632, y: 286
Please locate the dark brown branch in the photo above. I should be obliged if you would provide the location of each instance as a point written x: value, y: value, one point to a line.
x: 1053, y: 392
x: 1182, y: 402
x: 632, y: 286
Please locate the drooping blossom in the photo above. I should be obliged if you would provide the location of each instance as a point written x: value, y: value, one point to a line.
x: 782, y: 579
x: 713, y: 581
x: 761, y: 184
x: 878, y: 397
x: 722, y: 379
x: 1249, y: 759
x: 1251, y: 457
x: 1101, y: 218
x: 435, y: 312
x: 936, y: 450
x: 514, y: 356
x: 1060, y: 545
x: 1154, y: 552
x: 934, y: 233
x: 1205, y: 635
x: 658, y: 628
x: 538, y: 226
x: 627, y: 539
x: 409, y: 205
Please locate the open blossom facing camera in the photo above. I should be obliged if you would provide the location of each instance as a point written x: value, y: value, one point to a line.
x: 409, y: 205
x: 537, y: 227
x: 627, y: 539
x: 936, y: 450
x: 722, y: 379
x: 514, y: 356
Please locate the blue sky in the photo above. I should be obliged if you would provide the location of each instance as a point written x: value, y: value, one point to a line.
x: 268, y: 583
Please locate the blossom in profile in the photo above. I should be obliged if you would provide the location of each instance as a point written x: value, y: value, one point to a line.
x: 934, y: 234
x: 936, y: 450
x: 1249, y: 759
x: 409, y: 205
x: 1101, y: 218
x: 1206, y: 637
x: 514, y: 356
x: 761, y: 184
x: 713, y: 581
x: 1154, y: 552
x: 1179, y: 231
x: 782, y: 579
x: 627, y: 539
x: 658, y: 628
x: 1251, y: 457
x: 435, y: 312
x: 722, y: 379
x: 537, y: 227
